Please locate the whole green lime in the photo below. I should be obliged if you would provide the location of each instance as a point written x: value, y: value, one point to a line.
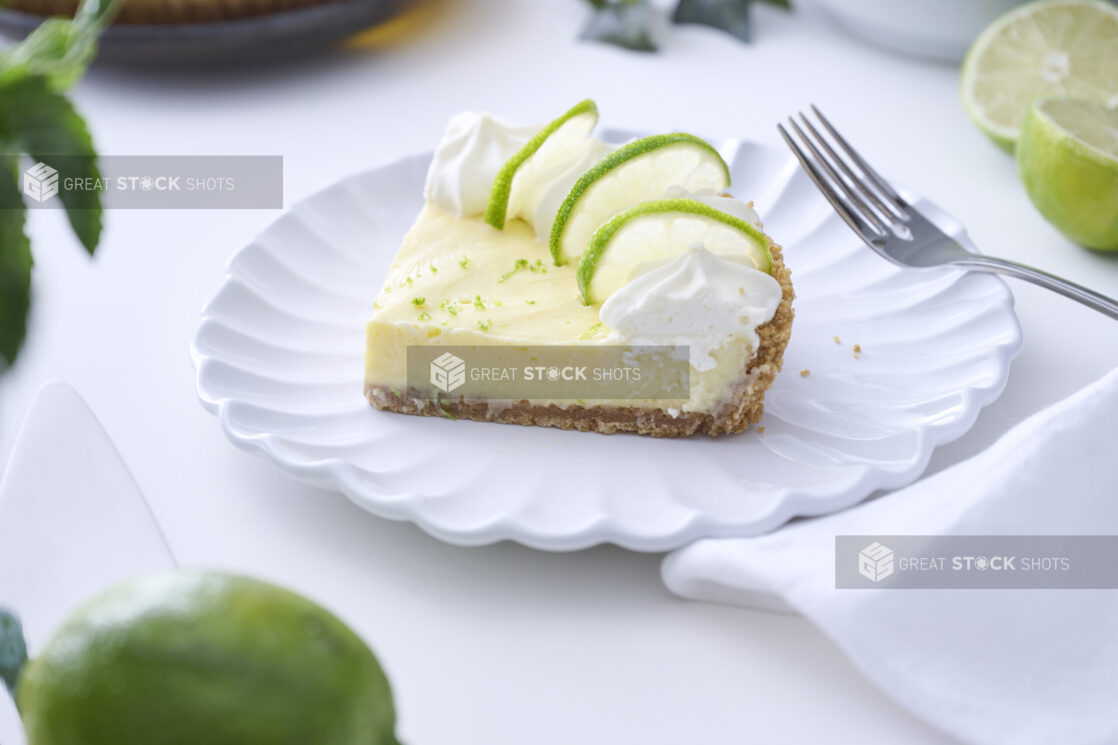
x: 203, y: 658
x: 1068, y: 159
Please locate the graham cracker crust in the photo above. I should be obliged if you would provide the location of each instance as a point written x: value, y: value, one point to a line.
x: 743, y: 408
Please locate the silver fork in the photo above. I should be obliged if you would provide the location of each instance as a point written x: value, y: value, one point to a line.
x: 895, y: 229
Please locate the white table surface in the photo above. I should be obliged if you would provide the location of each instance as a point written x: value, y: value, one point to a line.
x: 503, y: 644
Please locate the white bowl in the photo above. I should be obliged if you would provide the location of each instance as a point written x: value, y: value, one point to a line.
x: 940, y: 29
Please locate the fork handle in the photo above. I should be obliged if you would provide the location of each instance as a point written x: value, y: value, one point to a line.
x: 1105, y: 305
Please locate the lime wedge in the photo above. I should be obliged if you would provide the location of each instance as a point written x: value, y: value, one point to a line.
x: 1049, y: 48
x: 1068, y: 158
x: 654, y: 232
x: 634, y: 173
x: 560, y: 135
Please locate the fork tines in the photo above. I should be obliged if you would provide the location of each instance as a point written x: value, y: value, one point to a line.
x: 861, y: 197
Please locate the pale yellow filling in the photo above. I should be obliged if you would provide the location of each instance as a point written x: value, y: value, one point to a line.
x: 458, y: 281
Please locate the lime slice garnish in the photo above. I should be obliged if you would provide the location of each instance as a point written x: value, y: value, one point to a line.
x: 654, y: 232
x: 575, y: 124
x: 1068, y: 158
x: 634, y: 173
x: 1052, y: 48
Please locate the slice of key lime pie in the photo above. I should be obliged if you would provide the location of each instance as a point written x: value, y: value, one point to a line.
x: 542, y: 251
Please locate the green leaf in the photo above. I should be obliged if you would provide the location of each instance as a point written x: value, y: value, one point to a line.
x: 624, y: 23
x: 731, y: 16
x: 15, y: 264
x: 94, y: 15
x: 13, y: 649
x: 60, y: 49
x: 45, y: 125
x: 35, y: 118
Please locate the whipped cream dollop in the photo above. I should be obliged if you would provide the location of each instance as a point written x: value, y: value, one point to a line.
x: 476, y: 146
x: 699, y: 300
x: 545, y: 188
x: 473, y: 149
x: 731, y: 206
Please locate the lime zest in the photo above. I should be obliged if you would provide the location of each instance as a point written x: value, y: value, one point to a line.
x: 516, y: 267
x: 590, y: 331
x: 615, y: 159
x: 599, y: 242
x: 497, y: 208
x: 442, y: 408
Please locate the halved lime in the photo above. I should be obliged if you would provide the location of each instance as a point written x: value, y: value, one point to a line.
x: 637, y: 172
x: 654, y: 232
x: 563, y: 134
x: 1048, y: 48
x: 1068, y: 158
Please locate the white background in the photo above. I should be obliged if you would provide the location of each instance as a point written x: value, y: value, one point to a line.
x: 503, y: 645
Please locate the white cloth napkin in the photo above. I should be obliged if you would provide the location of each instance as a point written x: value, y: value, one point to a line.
x: 72, y: 522
x: 987, y: 666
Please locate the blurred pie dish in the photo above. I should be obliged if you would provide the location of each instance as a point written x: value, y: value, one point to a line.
x: 170, y: 12
x: 546, y: 238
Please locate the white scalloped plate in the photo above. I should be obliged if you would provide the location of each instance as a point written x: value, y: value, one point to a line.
x: 279, y: 361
